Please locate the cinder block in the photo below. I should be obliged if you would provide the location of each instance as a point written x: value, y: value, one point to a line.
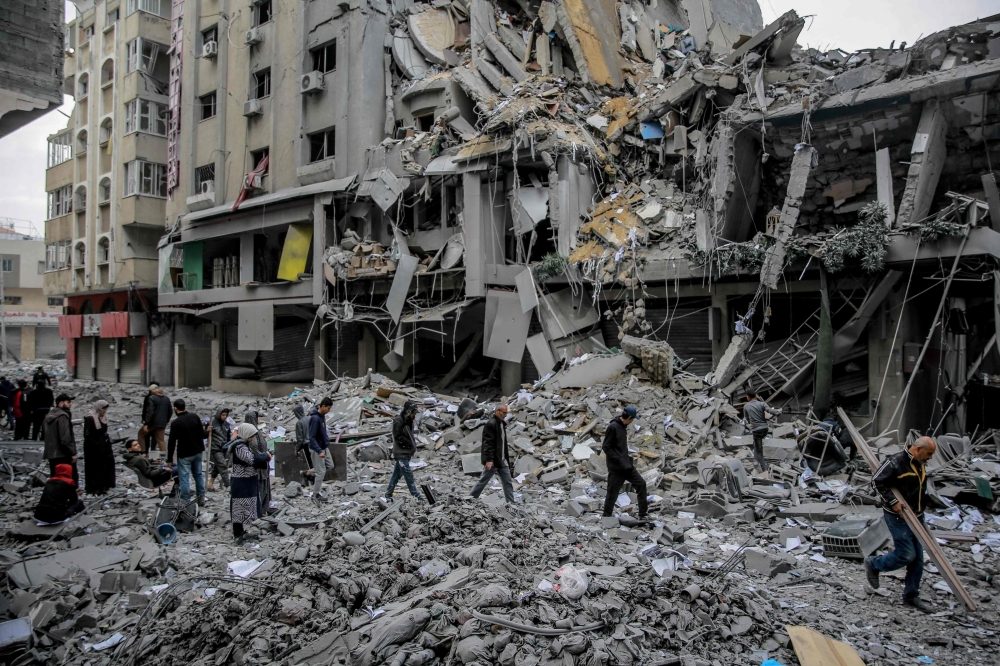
x: 573, y: 508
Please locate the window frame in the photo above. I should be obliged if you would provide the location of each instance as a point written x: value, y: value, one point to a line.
x: 214, y: 30
x: 13, y: 299
x: 328, y: 151
x: 258, y: 11
x: 212, y: 104
x: 136, y: 58
x: 143, y: 176
x: 257, y: 156
x: 154, y: 114
x: 60, y: 202
x: 60, y: 150
x: 262, y: 83
x: 319, y: 56
x: 4, y: 263
x: 58, y: 301
x: 199, y: 176
x: 133, y: 6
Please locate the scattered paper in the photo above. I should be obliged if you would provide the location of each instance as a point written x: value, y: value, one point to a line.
x: 244, y: 568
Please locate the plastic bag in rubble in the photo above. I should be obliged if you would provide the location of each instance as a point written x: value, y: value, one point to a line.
x: 573, y: 582
x: 433, y: 569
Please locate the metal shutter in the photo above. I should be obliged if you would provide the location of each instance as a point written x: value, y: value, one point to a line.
x: 234, y: 356
x: 48, y: 344
x: 130, y: 360
x: 106, y: 352
x: 292, y: 358
x: 342, y: 349
x: 84, y: 358
x: 684, y: 326
x: 14, y: 343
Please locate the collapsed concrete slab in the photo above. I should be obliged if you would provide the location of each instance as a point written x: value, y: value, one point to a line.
x: 774, y: 260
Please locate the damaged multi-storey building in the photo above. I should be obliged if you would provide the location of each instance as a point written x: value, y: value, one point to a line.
x: 490, y: 190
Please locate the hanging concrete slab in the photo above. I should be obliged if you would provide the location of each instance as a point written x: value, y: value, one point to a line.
x: 509, y: 330
x: 384, y: 188
x: 526, y: 290
x: 594, y: 370
x: 255, y: 330
x: 295, y: 252
x: 405, y: 269
x: 531, y: 206
x: 589, y: 29
x: 407, y: 57
x: 541, y: 353
x: 432, y: 32
x: 563, y: 313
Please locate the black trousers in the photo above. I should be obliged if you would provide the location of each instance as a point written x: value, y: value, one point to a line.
x: 36, y: 422
x: 758, y: 448
x: 64, y: 461
x: 22, y: 427
x: 616, y: 479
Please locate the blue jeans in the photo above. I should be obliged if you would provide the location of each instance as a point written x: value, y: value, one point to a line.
x: 907, y: 552
x: 185, y: 468
x: 402, y: 469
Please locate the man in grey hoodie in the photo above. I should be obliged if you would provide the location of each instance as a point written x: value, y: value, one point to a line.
x: 302, y: 440
x: 219, y: 434
x: 57, y: 433
x: 755, y: 413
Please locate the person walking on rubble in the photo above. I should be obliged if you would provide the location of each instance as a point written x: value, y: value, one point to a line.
x: 57, y: 433
x: 244, y: 503
x: 60, y: 497
x: 319, y: 444
x: 495, y: 455
x: 219, y: 435
x: 98, y: 458
x: 22, y: 413
x: 621, y: 468
x: 39, y: 403
x: 403, y: 447
x: 302, y: 440
x: 187, y: 437
x: 258, y: 444
x: 755, y: 413
x: 906, y: 472
x: 156, y: 416
x: 41, y: 377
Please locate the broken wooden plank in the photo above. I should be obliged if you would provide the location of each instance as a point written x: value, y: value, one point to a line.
x: 926, y: 540
x: 814, y: 649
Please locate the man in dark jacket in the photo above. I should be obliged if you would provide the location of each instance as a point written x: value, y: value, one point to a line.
x: 219, y: 434
x: 319, y: 444
x: 755, y: 413
x: 906, y: 472
x: 57, y: 432
x: 40, y: 402
x: 620, y: 465
x: 188, y: 437
x: 22, y: 414
x: 156, y: 416
x: 495, y: 455
x: 404, y: 446
x: 6, y: 398
x: 41, y: 377
x: 60, y: 497
x: 137, y: 460
x: 302, y: 440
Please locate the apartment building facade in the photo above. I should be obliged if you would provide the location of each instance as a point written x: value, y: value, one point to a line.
x: 31, y: 325
x: 106, y: 186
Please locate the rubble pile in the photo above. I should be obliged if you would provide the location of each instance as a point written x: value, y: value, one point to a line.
x: 726, y: 572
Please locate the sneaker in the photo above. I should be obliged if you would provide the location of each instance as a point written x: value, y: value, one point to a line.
x: 871, y: 574
x: 202, y: 500
x: 386, y: 501
x: 919, y: 604
x: 240, y: 540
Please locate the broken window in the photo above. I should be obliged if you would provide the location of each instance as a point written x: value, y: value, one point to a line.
x: 261, y: 84
x: 204, y: 179
x: 142, y: 115
x: 86, y: 34
x: 322, y: 145
x: 210, y: 35
x: 60, y: 149
x: 325, y: 57
x: 207, y: 103
x: 424, y: 123
x: 257, y: 156
x: 146, y: 178
x: 141, y: 55
x: 262, y: 12
x: 61, y: 201
x: 83, y: 86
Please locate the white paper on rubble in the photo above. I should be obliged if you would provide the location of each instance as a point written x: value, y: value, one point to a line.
x: 244, y: 568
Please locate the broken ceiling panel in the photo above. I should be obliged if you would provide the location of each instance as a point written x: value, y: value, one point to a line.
x: 432, y: 32
x: 563, y: 313
x: 508, y: 329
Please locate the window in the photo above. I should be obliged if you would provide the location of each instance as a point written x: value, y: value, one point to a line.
x: 325, y: 57
x: 257, y: 156
x: 147, y: 178
x: 142, y: 115
x: 103, y: 251
x: 57, y: 302
x: 210, y: 35
x: 107, y: 72
x: 261, y: 84
x: 207, y: 106
x: 141, y: 55
x: 113, y: 17
x: 83, y: 86
x: 60, y: 149
x: 61, y: 201
x: 105, y: 190
x: 262, y: 12
x: 56, y: 258
x: 148, y: 6
x: 12, y: 300
x: 322, y: 145
x: 7, y: 265
x: 202, y: 175
x: 86, y: 34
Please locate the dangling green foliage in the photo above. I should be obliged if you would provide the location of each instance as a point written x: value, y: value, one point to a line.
x: 868, y: 239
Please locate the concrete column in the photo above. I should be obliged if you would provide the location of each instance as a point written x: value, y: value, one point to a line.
x: 319, y: 368
x: 180, y: 380
x: 886, y: 360
x: 246, y: 258
x: 720, y: 302
x: 510, y: 377
x: 367, y: 350
x: 217, y: 362
x: 927, y: 157
x: 28, y: 342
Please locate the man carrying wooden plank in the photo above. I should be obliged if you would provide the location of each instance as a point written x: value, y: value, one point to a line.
x: 906, y: 472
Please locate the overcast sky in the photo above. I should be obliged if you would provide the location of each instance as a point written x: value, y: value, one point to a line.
x: 847, y: 24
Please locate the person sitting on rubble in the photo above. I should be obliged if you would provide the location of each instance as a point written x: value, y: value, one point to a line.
x: 219, y: 434
x: 302, y: 440
x: 821, y: 449
x: 319, y: 443
x: 906, y: 472
x: 621, y: 468
x: 137, y: 460
x: 60, y: 497
x: 755, y: 413
x: 404, y: 445
x: 245, y: 502
x: 495, y: 454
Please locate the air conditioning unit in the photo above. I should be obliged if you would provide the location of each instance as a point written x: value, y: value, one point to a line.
x: 208, y: 187
x: 254, y: 36
x: 210, y: 50
x: 254, y: 182
x: 312, y: 82
x: 252, y: 107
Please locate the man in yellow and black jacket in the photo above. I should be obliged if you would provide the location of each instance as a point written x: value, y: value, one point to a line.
x: 906, y: 472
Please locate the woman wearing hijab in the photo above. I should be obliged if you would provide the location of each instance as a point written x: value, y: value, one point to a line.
x: 245, y: 501
x: 259, y: 445
x: 60, y: 498
x: 98, y: 458
x: 219, y: 434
